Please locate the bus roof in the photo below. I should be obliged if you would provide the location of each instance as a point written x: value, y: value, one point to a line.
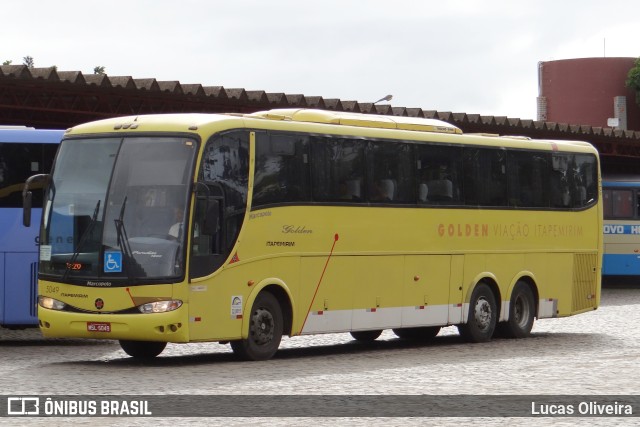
x: 357, y: 119
x: 30, y: 135
x: 299, y: 115
x: 280, y: 118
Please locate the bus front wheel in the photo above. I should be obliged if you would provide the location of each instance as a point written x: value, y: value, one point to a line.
x: 142, y: 349
x: 265, y: 330
x: 482, y: 318
x: 522, y: 307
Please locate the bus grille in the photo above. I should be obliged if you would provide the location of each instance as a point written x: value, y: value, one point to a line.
x: 584, y: 281
x: 33, y: 295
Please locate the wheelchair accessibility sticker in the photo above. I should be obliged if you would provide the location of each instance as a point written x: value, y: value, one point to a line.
x: 113, y: 262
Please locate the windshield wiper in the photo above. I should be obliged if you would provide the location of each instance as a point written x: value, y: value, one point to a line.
x: 81, y: 242
x: 125, y: 247
x: 120, y: 230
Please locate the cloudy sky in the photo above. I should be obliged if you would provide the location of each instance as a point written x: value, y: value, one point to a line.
x: 451, y: 55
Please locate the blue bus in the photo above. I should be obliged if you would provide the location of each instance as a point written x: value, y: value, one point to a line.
x: 23, y: 152
x: 621, y: 209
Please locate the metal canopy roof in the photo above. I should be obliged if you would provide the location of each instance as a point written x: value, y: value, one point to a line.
x: 47, y: 98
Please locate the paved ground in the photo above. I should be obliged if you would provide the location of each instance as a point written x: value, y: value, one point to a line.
x: 594, y: 353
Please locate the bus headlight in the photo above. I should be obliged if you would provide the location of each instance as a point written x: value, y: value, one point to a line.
x: 160, y: 306
x: 51, y: 303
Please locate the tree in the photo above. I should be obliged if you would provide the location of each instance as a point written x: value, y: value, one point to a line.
x: 7, y: 62
x: 28, y: 61
x: 99, y: 69
x: 633, y: 79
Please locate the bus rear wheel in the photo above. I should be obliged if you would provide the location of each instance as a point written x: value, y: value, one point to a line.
x: 142, y: 349
x: 481, y: 322
x: 265, y: 330
x: 425, y: 333
x: 366, y: 336
x: 522, y: 307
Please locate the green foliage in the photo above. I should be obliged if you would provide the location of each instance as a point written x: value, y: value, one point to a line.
x: 633, y: 79
x: 28, y: 61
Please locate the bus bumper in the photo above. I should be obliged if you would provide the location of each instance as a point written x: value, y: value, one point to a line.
x: 165, y: 327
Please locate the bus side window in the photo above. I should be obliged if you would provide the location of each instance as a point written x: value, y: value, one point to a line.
x: 528, y: 179
x: 622, y: 204
x: 206, y: 224
x: 282, y: 169
x: 17, y: 163
x: 560, y: 195
x: 439, y: 173
x: 584, y: 180
x: 485, y: 178
x: 573, y: 180
x: 224, y: 170
x: 337, y: 169
x: 391, y: 172
x: 607, y: 203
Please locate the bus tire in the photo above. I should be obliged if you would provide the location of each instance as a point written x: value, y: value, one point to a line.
x: 142, y: 349
x: 522, y: 307
x: 424, y: 333
x: 366, y: 336
x: 483, y: 314
x: 265, y: 330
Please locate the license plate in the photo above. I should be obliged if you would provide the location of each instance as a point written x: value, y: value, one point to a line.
x: 98, y: 326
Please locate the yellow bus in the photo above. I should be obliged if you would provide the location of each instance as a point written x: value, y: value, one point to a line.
x: 244, y: 228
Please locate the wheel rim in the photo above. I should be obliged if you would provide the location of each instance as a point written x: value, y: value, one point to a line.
x: 483, y: 314
x: 521, y: 312
x: 263, y: 326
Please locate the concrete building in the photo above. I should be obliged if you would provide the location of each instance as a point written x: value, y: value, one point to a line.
x: 588, y: 91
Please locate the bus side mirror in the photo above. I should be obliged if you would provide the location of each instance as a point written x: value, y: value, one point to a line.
x: 212, y: 218
x: 27, y: 196
x: 26, y: 208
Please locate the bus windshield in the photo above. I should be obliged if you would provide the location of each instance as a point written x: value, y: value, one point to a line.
x: 116, y: 209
